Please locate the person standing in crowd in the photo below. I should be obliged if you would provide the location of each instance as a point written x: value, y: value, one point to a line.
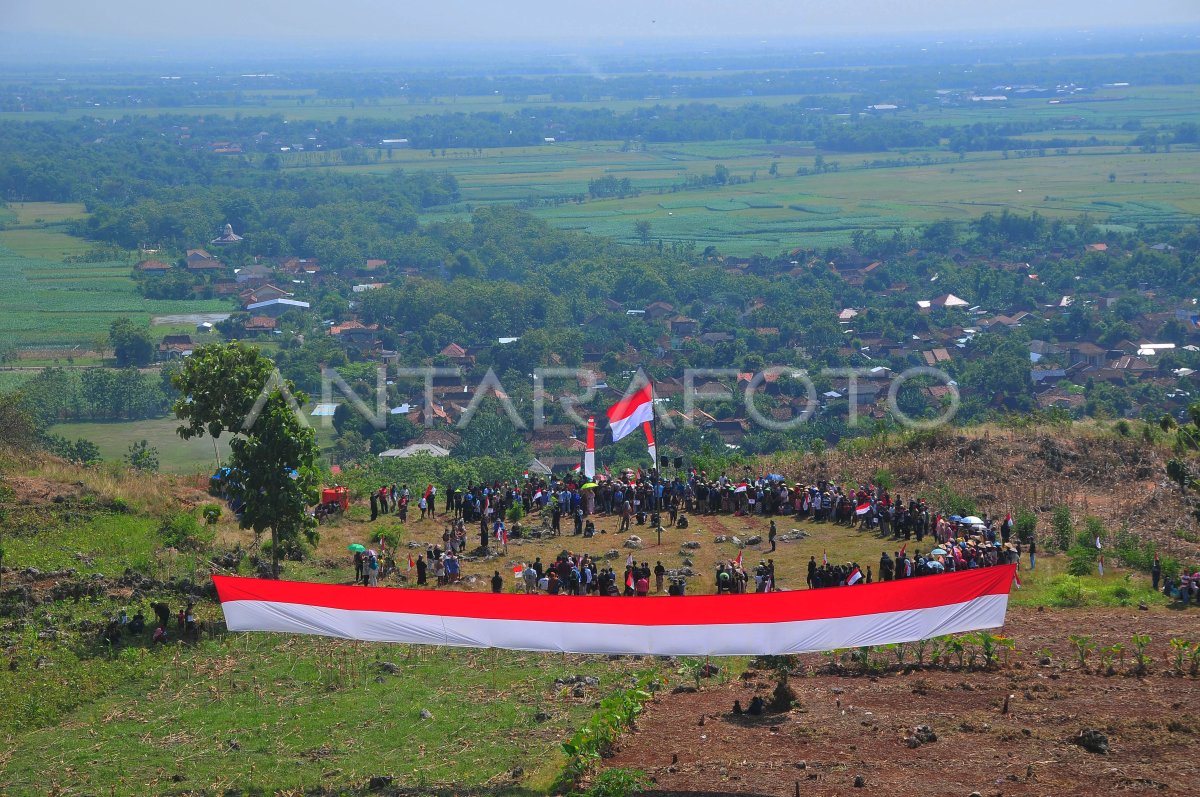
x: 771, y: 536
x: 497, y: 582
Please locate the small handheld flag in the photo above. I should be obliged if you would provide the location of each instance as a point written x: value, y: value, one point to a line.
x: 854, y: 578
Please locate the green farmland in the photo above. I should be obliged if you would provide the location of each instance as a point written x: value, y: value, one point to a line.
x: 47, y: 301
x: 759, y: 213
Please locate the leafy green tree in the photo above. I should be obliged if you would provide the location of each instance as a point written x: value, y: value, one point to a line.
x: 276, y: 478
x: 143, y: 456
x: 131, y: 345
x: 218, y: 386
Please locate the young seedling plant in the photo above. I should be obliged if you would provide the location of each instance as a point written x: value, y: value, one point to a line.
x: 1083, y: 646
x: 1140, y: 658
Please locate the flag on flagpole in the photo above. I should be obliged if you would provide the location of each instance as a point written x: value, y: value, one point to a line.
x: 607, y: 472
x: 738, y: 562
x: 629, y: 413
x: 648, y: 428
x: 411, y: 563
x: 589, y: 455
x: 902, y: 547
x: 629, y: 579
x: 854, y: 577
x: 824, y: 556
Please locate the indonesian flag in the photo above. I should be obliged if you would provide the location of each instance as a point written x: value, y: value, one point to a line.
x: 411, y: 563
x: 629, y: 413
x: 589, y: 456
x: 781, y: 623
x: 518, y: 570
x: 629, y: 578
x: 526, y: 474
x: 824, y: 556
x: 648, y: 428
x: 578, y: 468
x: 863, y: 508
x: 741, y: 488
x: 854, y: 577
x: 902, y: 547
x: 738, y: 562
x: 1016, y: 580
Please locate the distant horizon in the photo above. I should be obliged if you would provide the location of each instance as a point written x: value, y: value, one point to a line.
x: 41, y: 48
x: 358, y: 25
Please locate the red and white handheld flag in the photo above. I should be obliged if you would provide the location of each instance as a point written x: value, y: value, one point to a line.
x: 738, y: 562
x: 863, y: 508
x: 854, y: 577
x: 648, y: 428
x: 781, y: 623
x: 824, y: 556
x: 629, y: 413
x: 589, y: 455
x: 411, y: 563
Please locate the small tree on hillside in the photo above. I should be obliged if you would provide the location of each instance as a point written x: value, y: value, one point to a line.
x: 276, y: 478
x: 143, y: 456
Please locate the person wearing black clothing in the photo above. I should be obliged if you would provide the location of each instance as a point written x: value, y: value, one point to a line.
x: 421, y: 568
x: 660, y: 572
x: 358, y: 566
x: 771, y: 536
x: 497, y: 582
x: 1155, y: 569
x: 886, y: 567
x: 812, y: 572
x: 374, y: 506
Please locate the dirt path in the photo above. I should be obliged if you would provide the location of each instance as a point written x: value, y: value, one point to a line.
x: 852, y: 726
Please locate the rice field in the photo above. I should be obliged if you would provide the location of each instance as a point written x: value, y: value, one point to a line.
x: 46, y: 302
x: 761, y: 213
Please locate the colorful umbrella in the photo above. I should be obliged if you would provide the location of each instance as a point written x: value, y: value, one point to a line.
x: 354, y: 546
x: 588, y: 486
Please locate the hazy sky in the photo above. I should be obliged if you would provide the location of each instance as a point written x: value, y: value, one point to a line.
x: 569, y: 20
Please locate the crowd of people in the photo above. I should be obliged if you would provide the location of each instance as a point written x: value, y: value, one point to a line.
x: 123, y: 628
x: 637, y: 498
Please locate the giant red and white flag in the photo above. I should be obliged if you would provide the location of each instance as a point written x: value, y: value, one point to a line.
x: 631, y: 412
x: 779, y: 623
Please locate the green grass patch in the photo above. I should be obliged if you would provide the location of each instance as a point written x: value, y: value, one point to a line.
x: 175, y: 455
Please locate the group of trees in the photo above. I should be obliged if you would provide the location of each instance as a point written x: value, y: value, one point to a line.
x: 63, y: 394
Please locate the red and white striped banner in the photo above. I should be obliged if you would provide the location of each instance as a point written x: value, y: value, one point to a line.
x: 704, y: 625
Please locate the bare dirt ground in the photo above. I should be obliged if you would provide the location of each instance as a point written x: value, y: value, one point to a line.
x: 852, y: 726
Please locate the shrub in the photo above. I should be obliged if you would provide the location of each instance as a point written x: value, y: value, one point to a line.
x: 1061, y: 529
x: 885, y: 480
x: 1067, y: 591
x: 1025, y: 524
x: 211, y: 513
x: 618, y: 783
x: 515, y: 513
x: 389, y: 537
x: 1083, y: 561
x: 181, y: 530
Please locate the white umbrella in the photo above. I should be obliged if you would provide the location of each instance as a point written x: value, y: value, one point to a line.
x: 971, y: 520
